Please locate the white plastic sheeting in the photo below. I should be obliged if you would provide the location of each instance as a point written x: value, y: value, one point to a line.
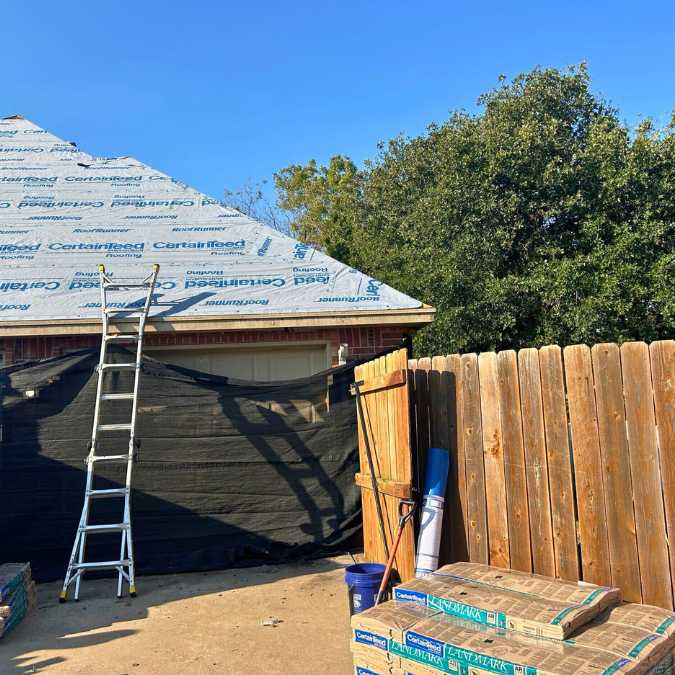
x: 62, y: 212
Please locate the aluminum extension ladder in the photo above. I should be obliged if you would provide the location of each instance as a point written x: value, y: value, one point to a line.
x: 77, y: 565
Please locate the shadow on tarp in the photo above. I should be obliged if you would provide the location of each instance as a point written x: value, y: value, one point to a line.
x: 228, y: 473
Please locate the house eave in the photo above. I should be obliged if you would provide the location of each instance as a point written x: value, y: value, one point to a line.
x: 413, y: 318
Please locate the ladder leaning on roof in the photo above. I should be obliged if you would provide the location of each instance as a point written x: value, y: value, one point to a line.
x: 77, y: 565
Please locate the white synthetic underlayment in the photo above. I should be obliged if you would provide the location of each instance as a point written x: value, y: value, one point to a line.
x: 62, y: 212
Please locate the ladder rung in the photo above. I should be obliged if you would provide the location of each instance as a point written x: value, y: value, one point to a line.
x: 122, y: 336
x: 114, y: 427
x: 118, y: 366
x: 108, y: 564
x: 129, y: 310
x: 114, y: 527
x: 108, y: 458
x: 111, y: 492
x: 123, y: 284
x: 117, y: 397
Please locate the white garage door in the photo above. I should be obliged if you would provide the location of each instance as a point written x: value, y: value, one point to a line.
x: 248, y: 363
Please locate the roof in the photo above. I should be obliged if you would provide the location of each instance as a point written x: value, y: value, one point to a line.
x: 63, y: 211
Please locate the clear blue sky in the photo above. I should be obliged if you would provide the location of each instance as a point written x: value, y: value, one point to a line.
x: 215, y: 93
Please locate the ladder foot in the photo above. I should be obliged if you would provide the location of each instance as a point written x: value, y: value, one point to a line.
x: 132, y: 591
x: 62, y: 597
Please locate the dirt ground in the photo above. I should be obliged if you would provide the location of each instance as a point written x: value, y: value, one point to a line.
x: 192, y: 623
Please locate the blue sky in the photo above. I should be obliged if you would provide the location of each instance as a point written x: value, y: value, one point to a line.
x: 217, y: 93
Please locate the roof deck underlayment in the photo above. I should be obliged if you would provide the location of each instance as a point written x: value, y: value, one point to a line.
x: 62, y: 212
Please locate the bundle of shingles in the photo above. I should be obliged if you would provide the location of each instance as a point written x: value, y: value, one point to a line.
x: 469, y: 619
x: 17, y: 594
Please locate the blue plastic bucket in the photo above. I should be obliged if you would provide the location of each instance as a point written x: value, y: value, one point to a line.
x: 363, y: 580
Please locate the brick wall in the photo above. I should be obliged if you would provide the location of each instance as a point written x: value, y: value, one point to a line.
x: 362, y: 341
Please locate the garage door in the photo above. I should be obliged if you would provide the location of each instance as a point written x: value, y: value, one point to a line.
x: 254, y: 363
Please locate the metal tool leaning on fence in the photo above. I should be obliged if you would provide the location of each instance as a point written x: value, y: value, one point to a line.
x: 76, y: 565
x: 403, y: 519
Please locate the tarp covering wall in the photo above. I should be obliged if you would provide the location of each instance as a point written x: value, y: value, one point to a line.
x: 62, y: 212
x: 227, y: 473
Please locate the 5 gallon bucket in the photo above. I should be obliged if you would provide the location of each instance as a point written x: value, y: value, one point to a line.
x: 363, y: 580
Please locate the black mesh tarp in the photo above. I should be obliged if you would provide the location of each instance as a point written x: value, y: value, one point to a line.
x: 227, y: 472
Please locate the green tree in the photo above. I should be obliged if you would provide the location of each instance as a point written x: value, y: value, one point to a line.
x: 323, y: 203
x: 540, y: 219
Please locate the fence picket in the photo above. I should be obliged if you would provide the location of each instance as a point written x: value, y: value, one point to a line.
x: 563, y: 507
x: 420, y: 415
x: 403, y: 464
x: 440, y: 438
x: 458, y: 503
x: 514, y: 461
x: 473, y: 453
x: 536, y: 462
x: 371, y: 541
x: 493, y: 453
x: 389, y: 438
x: 650, y: 519
x: 420, y: 382
x: 587, y: 465
x: 662, y: 358
x: 376, y: 414
x: 438, y: 388
x: 623, y: 552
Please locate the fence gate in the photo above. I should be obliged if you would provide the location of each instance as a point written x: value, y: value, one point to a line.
x: 383, y: 410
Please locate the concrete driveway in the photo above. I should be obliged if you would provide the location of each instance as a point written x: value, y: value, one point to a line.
x: 192, y: 623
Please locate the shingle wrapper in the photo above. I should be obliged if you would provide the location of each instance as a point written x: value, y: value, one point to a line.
x: 62, y: 212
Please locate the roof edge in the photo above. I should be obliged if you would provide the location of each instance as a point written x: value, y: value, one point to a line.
x: 414, y: 318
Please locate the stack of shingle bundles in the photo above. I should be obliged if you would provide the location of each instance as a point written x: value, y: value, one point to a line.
x: 378, y: 631
x: 537, y: 606
x: 17, y: 594
x: 472, y: 620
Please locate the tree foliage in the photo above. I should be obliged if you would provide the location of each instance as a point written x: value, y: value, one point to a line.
x: 540, y: 219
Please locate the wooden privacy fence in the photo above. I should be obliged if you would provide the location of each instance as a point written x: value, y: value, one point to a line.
x: 563, y: 460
